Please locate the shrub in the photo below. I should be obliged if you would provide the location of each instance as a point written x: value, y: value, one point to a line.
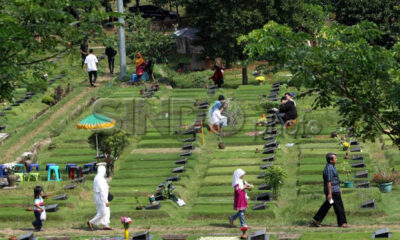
x: 49, y: 100
x: 385, y: 177
x: 266, y: 105
x: 275, y: 177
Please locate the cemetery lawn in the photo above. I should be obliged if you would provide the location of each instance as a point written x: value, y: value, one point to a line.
x: 205, y: 185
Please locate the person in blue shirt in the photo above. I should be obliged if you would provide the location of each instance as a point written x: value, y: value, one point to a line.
x: 333, y: 194
x: 217, y: 104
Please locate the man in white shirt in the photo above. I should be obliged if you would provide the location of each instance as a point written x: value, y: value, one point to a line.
x: 217, y: 118
x: 91, y: 61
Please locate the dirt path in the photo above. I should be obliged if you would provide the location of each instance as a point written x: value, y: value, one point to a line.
x: 22, y: 141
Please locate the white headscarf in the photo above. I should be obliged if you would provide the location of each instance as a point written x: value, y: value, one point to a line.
x: 100, y: 183
x: 237, y: 178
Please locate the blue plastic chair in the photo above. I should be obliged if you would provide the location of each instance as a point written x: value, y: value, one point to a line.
x: 34, y: 165
x: 57, y: 173
x: 3, y: 172
x: 92, y: 167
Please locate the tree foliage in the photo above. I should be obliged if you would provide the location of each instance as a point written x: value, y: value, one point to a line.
x: 34, y: 31
x: 344, y: 70
x: 141, y: 38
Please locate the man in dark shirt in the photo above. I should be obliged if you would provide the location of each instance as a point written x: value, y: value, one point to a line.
x: 287, y: 111
x: 84, y: 51
x: 333, y: 194
x: 110, y: 53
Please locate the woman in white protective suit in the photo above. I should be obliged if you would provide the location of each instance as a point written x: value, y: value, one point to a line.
x: 100, y: 188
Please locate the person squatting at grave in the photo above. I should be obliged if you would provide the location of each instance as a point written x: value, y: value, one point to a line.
x: 240, y: 197
x: 110, y: 53
x: 100, y: 189
x: 38, y: 208
x: 217, y: 118
x: 287, y: 111
x: 84, y: 50
x: 217, y: 104
x: 91, y: 61
x: 218, y: 76
x: 332, y: 193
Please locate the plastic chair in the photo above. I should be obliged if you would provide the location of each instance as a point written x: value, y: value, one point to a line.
x: 19, y: 168
x: 35, y: 176
x: 50, y: 164
x: 69, y: 165
x: 75, y: 170
x: 3, y: 172
x: 92, y: 167
x: 34, y: 165
x: 56, y: 171
x: 21, y: 176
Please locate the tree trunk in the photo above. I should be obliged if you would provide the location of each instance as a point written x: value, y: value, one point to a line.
x: 137, y: 4
x: 177, y: 9
x: 245, y: 79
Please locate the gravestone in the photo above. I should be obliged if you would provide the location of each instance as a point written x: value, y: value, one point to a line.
x: 184, y: 154
x: 269, y: 151
x: 78, y: 180
x: 213, y: 87
x: 27, y: 236
x: 368, y: 204
x: 261, y: 206
x: 2, y: 114
x: 363, y: 184
x: 354, y: 142
x: 174, y: 237
x: 264, y: 187
x: 178, y: 170
x: 382, y: 233
x: 355, y: 149
x: 159, y: 197
x: 20, y: 101
x: 203, y: 107
x: 265, y: 166
x: 188, y: 147
x: 27, y: 97
x: 271, y: 111
x: 269, y: 138
x: 86, y: 171
x: 30, y: 93
x: 61, y: 197
x: 273, y: 95
x: 271, y: 144
x: 51, y: 208
x: 275, y: 90
x: 269, y: 159
x: 2, y: 127
x: 152, y: 206
x: 361, y: 174
x: 258, y: 235
x: 357, y: 157
x: 273, y: 99
x: 204, y: 114
x: 7, y: 109
x: 271, y: 131
x: 271, y: 124
x: 261, y: 175
x: 204, y: 104
x: 358, y: 165
x: 189, y: 140
x: 191, y: 131
x: 181, y: 161
x: 263, y: 197
x: 142, y: 236
x: 70, y: 186
x: 173, y: 178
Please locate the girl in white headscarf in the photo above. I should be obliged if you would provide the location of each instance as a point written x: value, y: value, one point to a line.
x: 240, y: 198
x: 100, y: 188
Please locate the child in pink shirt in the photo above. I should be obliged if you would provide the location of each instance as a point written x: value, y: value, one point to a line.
x: 240, y: 200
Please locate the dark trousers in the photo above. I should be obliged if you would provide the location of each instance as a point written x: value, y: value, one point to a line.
x: 91, y: 75
x: 83, y: 60
x: 337, y: 206
x: 111, y: 64
x: 37, y: 223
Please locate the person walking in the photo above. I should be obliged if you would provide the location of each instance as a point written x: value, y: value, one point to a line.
x: 218, y: 76
x: 110, y: 53
x: 38, y: 208
x: 84, y: 50
x: 91, y: 62
x: 100, y: 188
x: 333, y: 194
x: 240, y: 197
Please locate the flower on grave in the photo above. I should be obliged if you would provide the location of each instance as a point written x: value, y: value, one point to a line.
x: 260, y: 79
x: 345, y: 145
x: 385, y: 177
x: 126, y: 221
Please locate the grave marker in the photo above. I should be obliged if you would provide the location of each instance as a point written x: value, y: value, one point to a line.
x: 357, y: 157
x: 27, y: 236
x: 269, y: 138
x: 264, y: 187
x: 61, y: 197
x: 189, y: 140
x: 269, y: 151
x: 261, y: 206
x: 368, y: 204
x: 259, y: 235
x: 263, y: 197
x: 361, y: 174
x: 51, y: 208
x: 178, y: 170
x: 355, y: 149
x: 184, y: 154
x: 269, y: 159
x: 363, y: 184
x: 358, y: 165
x: 78, y: 180
x: 173, y: 178
x: 181, y: 161
x: 354, y: 142
x: 188, y: 147
x: 204, y: 114
x: 70, y: 186
x: 142, y: 236
x: 271, y: 144
x: 152, y: 206
x: 265, y: 166
x: 382, y: 233
x: 261, y: 175
x: 271, y: 131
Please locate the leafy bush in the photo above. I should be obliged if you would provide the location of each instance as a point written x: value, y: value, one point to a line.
x: 275, y: 177
x: 49, y: 100
x: 266, y: 105
x: 385, y: 177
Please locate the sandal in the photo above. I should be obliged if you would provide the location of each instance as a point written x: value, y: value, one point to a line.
x: 90, y: 225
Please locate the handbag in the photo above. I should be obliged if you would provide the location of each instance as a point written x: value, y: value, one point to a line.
x: 43, y: 216
x: 110, y: 197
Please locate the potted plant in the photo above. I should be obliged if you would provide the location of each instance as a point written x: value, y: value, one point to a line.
x: 384, y: 180
x: 126, y: 221
x: 275, y: 177
x: 347, y: 170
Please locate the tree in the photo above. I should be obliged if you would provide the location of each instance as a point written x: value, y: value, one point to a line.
x: 140, y: 38
x: 344, y: 69
x: 221, y: 22
x: 35, y: 31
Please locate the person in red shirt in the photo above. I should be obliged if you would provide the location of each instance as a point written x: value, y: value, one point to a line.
x: 218, y: 76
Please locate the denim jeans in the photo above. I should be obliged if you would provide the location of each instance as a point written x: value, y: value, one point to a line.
x: 111, y: 64
x: 37, y: 223
x: 240, y: 215
x: 281, y: 117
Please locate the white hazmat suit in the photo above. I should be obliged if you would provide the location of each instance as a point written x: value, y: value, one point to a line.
x: 100, y: 188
